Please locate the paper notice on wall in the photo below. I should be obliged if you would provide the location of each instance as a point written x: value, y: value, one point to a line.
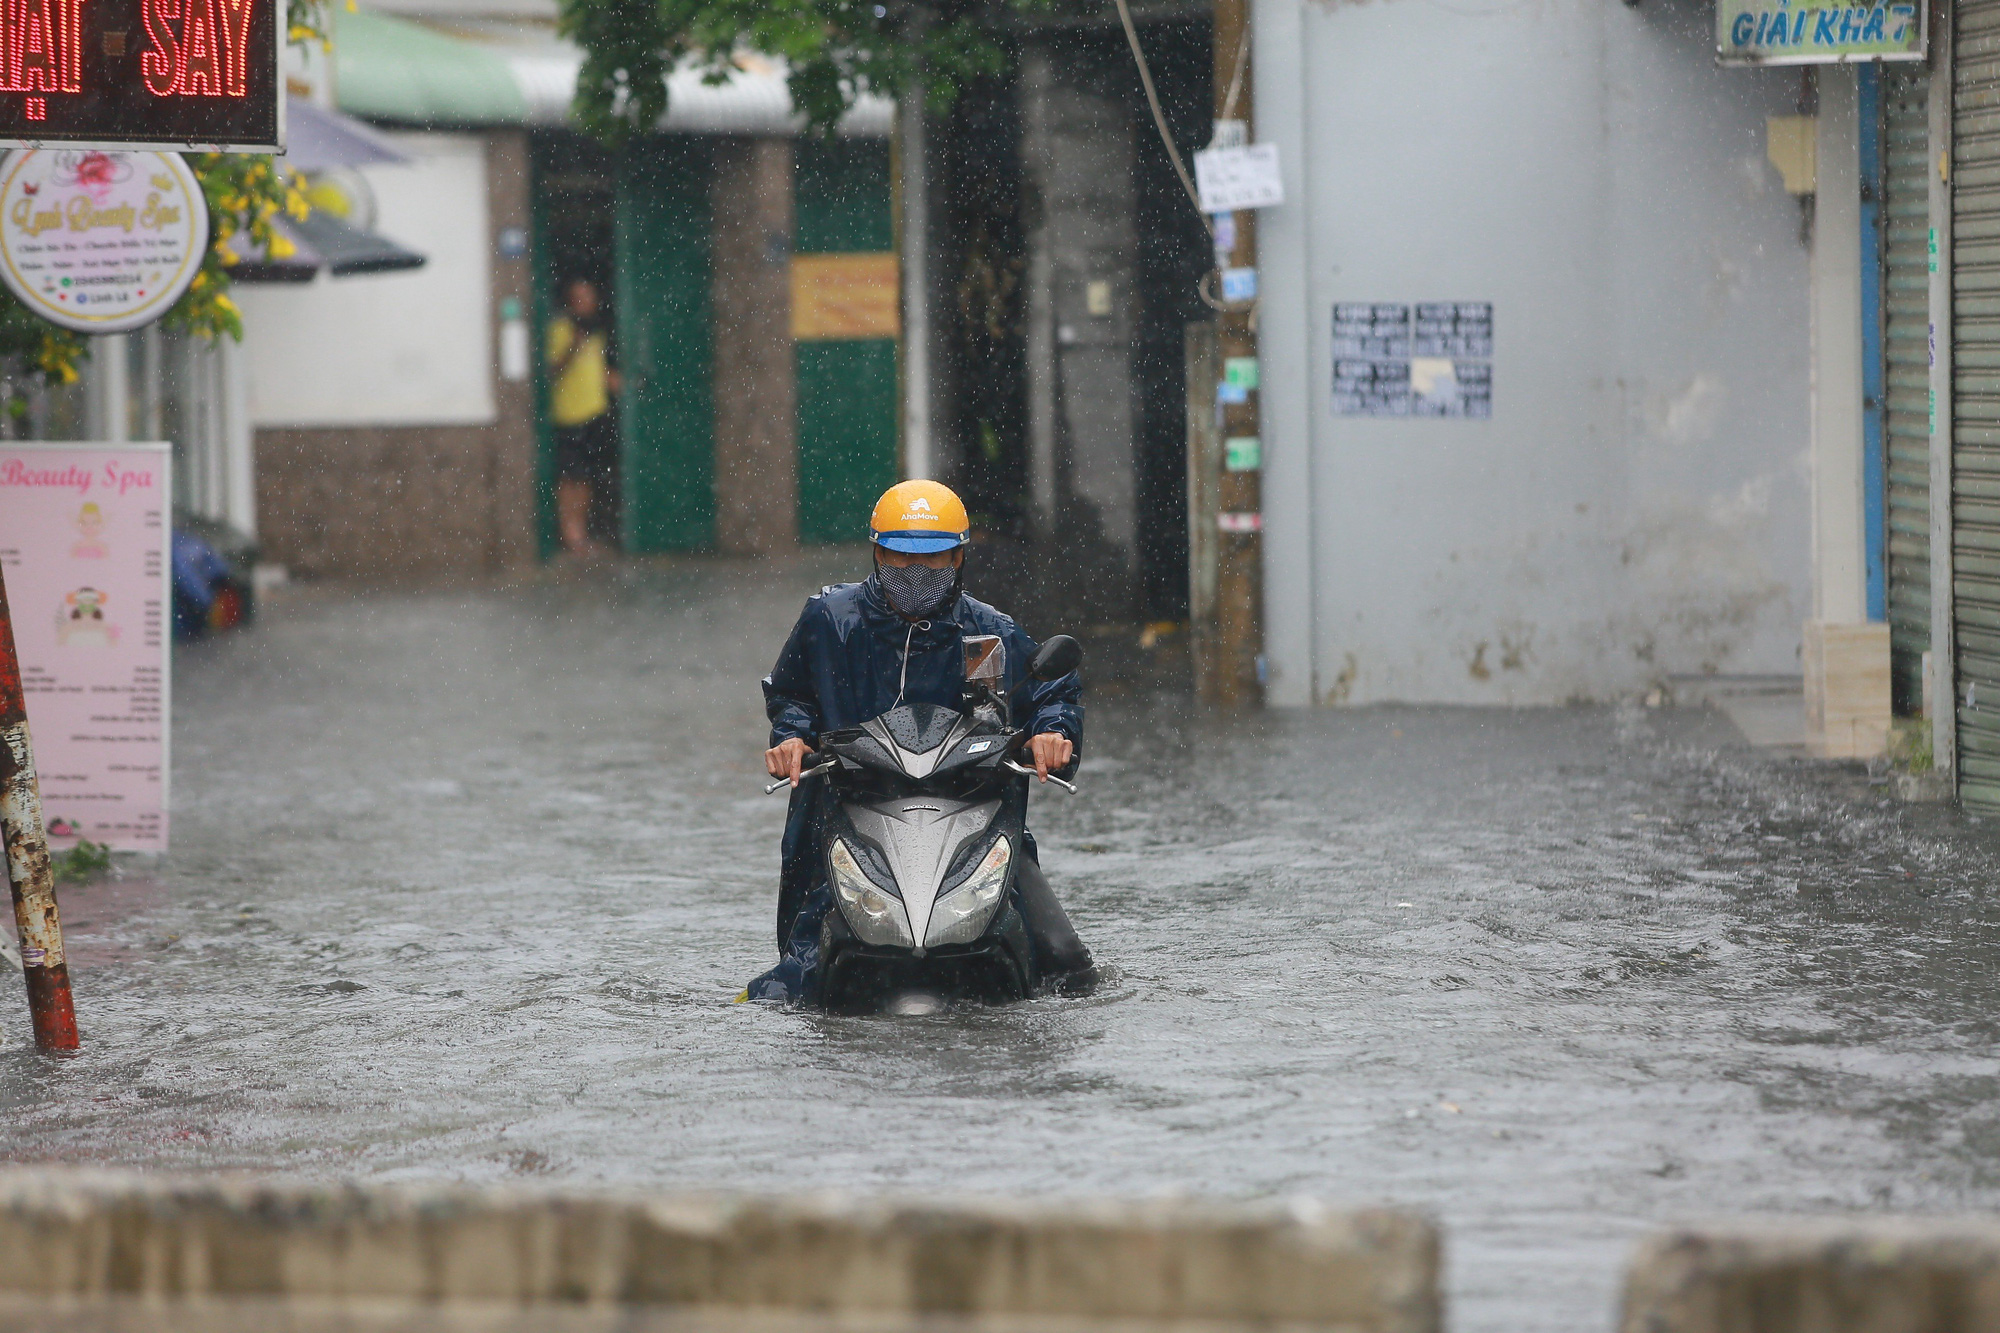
x: 1433, y: 359
x: 1231, y: 178
x: 1371, y: 360
x: 84, y: 535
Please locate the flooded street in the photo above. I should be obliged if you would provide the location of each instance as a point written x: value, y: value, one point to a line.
x: 464, y: 885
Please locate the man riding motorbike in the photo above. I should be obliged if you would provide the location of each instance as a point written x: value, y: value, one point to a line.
x: 859, y: 650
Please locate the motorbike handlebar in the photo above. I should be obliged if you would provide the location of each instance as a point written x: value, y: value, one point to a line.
x: 1007, y: 764
x: 1024, y: 771
x: 804, y: 773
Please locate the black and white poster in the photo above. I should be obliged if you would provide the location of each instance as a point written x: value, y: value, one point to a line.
x: 1431, y: 359
x: 1364, y: 388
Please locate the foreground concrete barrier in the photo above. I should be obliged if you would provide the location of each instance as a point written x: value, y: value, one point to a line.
x: 1858, y: 1276
x: 77, y: 1249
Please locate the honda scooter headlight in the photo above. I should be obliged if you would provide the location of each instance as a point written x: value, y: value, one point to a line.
x: 962, y: 915
x: 873, y: 915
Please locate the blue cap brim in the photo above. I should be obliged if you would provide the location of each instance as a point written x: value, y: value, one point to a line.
x: 919, y: 543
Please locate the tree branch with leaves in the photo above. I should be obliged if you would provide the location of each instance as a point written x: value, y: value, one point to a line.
x: 834, y: 51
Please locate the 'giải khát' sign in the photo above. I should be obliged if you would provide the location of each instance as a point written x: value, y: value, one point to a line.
x: 1802, y: 32
x: 141, y: 73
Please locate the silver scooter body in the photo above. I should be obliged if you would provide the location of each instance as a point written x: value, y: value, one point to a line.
x: 922, y: 836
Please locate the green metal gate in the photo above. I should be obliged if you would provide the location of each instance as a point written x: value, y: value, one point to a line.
x: 1905, y: 217
x: 847, y: 386
x: 1975, y: 386
x: 668, y: 413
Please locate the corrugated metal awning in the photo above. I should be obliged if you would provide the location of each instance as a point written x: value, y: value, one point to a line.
x: 450, y: 72
x: 323, y: 241
x: 319, y: 140
x: 390, y: 69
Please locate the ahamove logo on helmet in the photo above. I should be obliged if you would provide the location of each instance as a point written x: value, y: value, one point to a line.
x: 918, y: 518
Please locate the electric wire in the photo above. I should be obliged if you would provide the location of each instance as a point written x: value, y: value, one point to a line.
x: 1236, y: 77
x: 1159, y: 116
x: 1211, y: 300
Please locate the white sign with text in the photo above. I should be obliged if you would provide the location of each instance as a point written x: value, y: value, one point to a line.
x: 1233, y: 178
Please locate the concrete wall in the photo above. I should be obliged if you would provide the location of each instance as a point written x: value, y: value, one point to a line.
x: 88, y: 1235
x: 1638, y: 503
x: 444, y: 486
x: 1882, y: 1275
x: 395, y: 349
x: 756, y: 375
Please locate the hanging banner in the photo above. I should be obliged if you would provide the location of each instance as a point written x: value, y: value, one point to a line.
x: 1803, y: 32
x: 142, y: 74
x: 101, y: 242
x: 84, y: 530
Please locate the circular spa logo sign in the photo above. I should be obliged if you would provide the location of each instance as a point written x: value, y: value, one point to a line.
x: 97, y: 241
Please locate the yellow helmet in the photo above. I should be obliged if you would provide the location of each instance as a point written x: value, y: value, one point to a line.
x: 919, y: 517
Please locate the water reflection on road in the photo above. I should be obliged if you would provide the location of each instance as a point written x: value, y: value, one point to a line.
x: 464, y: 883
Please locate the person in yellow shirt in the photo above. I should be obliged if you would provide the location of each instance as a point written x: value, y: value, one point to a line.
x: 582, y: 382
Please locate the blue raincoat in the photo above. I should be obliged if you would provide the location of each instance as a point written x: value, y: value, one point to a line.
x: 851, y: 658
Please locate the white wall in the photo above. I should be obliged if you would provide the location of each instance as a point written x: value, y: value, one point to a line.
x: 406, y: 349
x: 1638, y: 503
x: 1839, y: 545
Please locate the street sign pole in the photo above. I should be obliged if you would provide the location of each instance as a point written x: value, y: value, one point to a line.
x: 29, y: 873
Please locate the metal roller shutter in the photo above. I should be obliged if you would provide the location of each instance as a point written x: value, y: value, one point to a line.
x: 1906, y: 379
x: 1975, y: 498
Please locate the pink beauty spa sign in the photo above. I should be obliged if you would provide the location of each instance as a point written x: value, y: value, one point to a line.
x: 83, y: 542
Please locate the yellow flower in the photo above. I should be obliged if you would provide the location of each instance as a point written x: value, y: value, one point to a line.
x: 281, y: 247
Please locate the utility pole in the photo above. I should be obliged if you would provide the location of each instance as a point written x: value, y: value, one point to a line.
x: 1231, y: 676
x: 29, y: 873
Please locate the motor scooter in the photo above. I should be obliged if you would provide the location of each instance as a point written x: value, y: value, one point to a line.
x: 921, y: 814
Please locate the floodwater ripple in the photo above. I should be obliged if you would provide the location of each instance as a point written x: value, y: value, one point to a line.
x: 464, y: 883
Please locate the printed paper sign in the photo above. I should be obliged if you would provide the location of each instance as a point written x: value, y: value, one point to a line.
x: 1785, y: 32
x: 1429, y: 360
x: 84, y: 531
x: 1231, y: 178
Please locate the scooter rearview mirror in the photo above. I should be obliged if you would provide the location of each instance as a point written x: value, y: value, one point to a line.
x: 985, y: 658
x: 1056, y: 658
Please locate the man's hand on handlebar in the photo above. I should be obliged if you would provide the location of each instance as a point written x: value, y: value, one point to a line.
x: 1051, y: 750
x: 786, y: 758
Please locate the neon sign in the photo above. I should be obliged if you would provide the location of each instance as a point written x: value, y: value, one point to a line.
x: 199, y: 48
x: 158, y: 73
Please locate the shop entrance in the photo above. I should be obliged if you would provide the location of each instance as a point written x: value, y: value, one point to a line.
x: 572, y: 199
x: 640, y: 225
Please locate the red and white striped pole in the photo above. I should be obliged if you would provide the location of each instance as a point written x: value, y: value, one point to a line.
x: 28, y: 871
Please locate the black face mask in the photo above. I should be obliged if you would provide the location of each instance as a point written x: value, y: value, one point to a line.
x: 916, y: 591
